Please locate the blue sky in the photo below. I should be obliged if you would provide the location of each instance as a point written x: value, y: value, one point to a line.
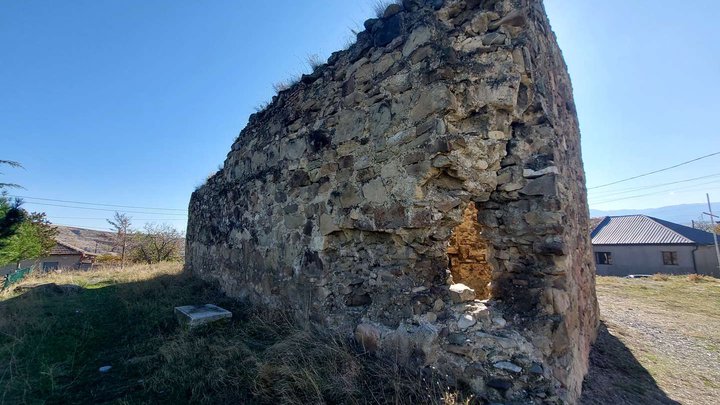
x: 135, y: 102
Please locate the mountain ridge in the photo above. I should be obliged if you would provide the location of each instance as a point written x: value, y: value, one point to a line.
x: 683, y: 214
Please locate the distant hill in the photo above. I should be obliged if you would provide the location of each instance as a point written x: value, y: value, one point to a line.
x: 682, y: 214
x: 88, y: 240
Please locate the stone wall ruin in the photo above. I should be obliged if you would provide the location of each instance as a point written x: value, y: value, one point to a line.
x: 339, y: 201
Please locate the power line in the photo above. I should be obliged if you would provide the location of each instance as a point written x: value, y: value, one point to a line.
x: 655, y: 171
x: 85, y: 227
x: 689, y: 188
x: 98, y: 204
x: 134, y: 219
x: 103, y: 209
x: 608, y: 193
x: 693, y: 187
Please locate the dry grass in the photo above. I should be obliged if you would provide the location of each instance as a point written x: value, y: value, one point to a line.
x: 52, y: 342
x: 98, y: 277
x: 699, y: 278
x: 286, y: 84
x: 662, y: 342
x: 314, y: 62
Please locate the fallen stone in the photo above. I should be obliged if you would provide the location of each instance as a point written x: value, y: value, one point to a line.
x: 430, y: 317
x: 461, y: 293
x: 466, y: 321
x: 458, y: 339
x: 368, y: 336
x: 196, y: 315
x: 423, y: 337
x: 479, y: 311
x: 461, y: 350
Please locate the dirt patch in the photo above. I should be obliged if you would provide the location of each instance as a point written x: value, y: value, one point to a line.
x: 660, y: 342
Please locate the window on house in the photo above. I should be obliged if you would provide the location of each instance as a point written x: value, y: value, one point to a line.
x: 48, y: 266
x: 603, y: 258
x: 670, y: 258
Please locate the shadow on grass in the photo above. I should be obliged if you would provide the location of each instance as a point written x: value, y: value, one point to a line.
x: 616, y: 376
x: 54, y: 339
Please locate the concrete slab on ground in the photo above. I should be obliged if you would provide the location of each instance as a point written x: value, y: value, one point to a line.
x: 195, y: 315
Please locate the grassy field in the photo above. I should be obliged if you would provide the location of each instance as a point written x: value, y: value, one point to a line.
x: 54, y: 340
x: 659, y: 343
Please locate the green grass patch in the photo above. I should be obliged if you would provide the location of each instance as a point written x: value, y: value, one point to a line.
x: 54, y: 340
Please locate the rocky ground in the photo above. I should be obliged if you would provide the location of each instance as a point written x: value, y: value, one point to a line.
x: 659, y: 342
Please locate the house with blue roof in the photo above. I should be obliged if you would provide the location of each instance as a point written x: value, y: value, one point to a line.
x: 639, y: 244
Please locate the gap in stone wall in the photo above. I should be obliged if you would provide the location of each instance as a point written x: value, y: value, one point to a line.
x: 468, y: 254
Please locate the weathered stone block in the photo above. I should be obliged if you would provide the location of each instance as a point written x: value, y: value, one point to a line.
x: 461, y: 293
x: 368, y: 336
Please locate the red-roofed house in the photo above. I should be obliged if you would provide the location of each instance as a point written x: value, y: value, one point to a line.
x: 62, y: 256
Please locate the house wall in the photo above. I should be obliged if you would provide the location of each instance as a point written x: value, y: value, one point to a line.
x: 64, y: 262
x: 707, y: 261
x: 647, y: 259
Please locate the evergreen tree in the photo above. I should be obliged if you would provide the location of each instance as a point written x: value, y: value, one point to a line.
x: 11, y: 216
x: 34, y: 237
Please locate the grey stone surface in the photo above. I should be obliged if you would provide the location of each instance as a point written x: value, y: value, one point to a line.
x: 466, y: 321
x: 196, y: 315
x: 506, y: 365
x: 461, y: 293
x: 338, y: 201
x: 368, y: 336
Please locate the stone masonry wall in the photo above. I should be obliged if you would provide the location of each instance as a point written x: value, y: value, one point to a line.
x: 339, y: 200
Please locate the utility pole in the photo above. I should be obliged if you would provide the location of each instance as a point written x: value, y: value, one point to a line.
x: 712, y: 221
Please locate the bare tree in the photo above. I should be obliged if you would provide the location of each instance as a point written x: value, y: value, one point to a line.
x: 121, y: 225
x: 705, y: 225
x: 157, y: 243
